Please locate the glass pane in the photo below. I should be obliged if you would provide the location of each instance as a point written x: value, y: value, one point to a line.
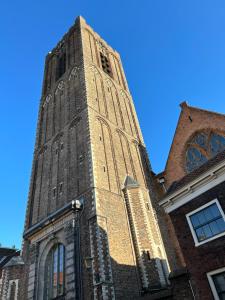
x: 214, y: 210
x: 61, y: 269
x: 201, y: 140
x: 219, y: 281
x: 55, y: 271
x: 48, y: 277
x: 200, y: 234
x: 201, y: 217
x: 208, y: 213
x: 195, y: 221
x: 221, y: 224
x: 217, y: 144
x: 194, y: 159
x: 214, y: 227
x: 207, y: 231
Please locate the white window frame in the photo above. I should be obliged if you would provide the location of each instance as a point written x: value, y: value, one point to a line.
x: 211, y: 283
x: 197, y: 243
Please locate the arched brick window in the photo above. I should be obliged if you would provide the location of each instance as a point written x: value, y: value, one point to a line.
x: 203, y: 146
x: 55, y: 273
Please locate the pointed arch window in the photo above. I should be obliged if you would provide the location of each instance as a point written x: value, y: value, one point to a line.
x: 202, y: 147
x: 55, y: 273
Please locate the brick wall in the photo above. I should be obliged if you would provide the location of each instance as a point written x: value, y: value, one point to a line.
x: 206, y: 257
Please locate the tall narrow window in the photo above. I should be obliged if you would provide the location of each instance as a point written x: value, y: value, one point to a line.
x: 61, y: 66
x: 54, y: 273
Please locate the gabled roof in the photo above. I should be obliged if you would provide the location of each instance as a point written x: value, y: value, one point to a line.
x: 191, y: 121
x: 185, y: 107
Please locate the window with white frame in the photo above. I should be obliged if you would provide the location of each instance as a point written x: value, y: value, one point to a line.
x: 217, y: 283
x: 207, y: 222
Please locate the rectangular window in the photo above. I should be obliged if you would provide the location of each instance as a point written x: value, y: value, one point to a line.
x: 207, y: 222
x: 217, y: 283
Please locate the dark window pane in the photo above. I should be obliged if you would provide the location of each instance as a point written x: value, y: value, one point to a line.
x: 195, y: 221
x: 201, y: 140
x: 207, y: 231
x: 201, y: 217
x: 194, y: 159
x: 221, y: 224
x: 217, y: 144
x: 214, y: 227
x: 61, y: 66
x: 219, y: 281
x: 214, y: 210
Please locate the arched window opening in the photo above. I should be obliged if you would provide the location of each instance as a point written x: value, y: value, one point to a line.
x: 202, y: 147
x: 55, y: 273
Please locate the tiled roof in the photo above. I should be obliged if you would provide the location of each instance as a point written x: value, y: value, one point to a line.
x: 195, y: 173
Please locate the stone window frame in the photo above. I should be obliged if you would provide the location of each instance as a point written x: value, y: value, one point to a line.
x: 48, y: 245
x: 188, y: 215
x: 211, y: 282
x: 60, y: 262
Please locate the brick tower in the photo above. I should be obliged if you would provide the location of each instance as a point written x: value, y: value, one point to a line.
x: 91, y: 230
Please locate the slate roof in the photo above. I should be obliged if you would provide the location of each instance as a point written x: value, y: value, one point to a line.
x: 15, y: 261
x: 195, y: 173
x: 6, y: 254
x: 130, y: 182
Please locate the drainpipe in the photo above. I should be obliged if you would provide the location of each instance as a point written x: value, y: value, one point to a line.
x: 77, y: 207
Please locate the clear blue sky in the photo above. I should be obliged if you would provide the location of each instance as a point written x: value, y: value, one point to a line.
x: 171, y: 50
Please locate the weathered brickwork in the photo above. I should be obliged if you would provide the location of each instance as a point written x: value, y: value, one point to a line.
x: 89, y: 147
x: 11, y: 282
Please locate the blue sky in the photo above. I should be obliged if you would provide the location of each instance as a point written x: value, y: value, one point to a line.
x: 172, y: 51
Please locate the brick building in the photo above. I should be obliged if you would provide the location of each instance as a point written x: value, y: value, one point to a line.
x: 195, y: 201
x: 94, y: 228
x: 11, y: 272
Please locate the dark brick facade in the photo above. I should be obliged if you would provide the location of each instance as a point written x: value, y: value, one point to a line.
x: 204, y: 258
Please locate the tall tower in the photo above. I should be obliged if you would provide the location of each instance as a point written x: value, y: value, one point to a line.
x: 90, y: 230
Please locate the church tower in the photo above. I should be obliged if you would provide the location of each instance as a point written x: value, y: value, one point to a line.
x: 90, y: 230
